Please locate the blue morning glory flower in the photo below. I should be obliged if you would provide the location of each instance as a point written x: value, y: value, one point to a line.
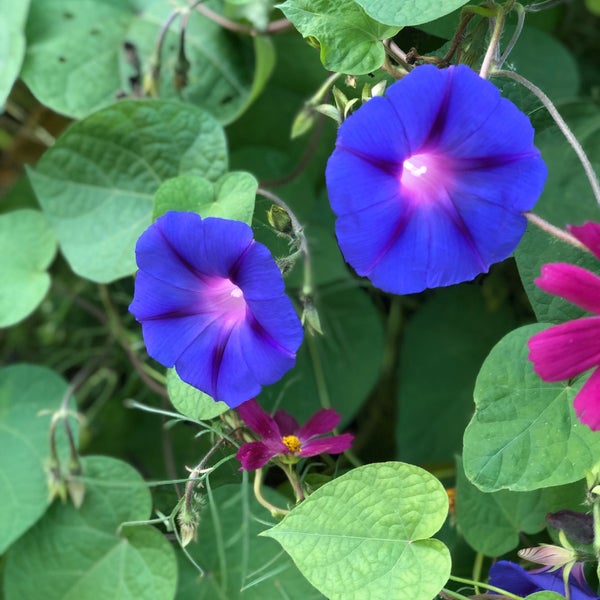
x: 429, y: 184
x: 512, y: 578
x: 212, y: 304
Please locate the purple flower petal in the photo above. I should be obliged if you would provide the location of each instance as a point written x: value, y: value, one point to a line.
x: 286, y: 422
x: 589, y: 235
x: 587, y: 402
x: 260, y: 421
x: 444, y: 201
x: 336, y: 444
x: 201, y: 295
x: 254, y: 455
x: 577, y: 285
x: 323, y: 421
x: 566, y: 350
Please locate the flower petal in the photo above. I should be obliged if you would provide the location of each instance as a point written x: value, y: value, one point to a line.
x: 254, y: 455
x: 287, y: 424
x: 336, y: 444
x: 512, y: 578
x: 588, y: 234
x: 201, y: 242
x: 257, y: 419
x: 564, y: 351
x: 573, y: 283
x: 587, y: 402
x: 215, y: 363
x: 258, y: 275
x: 323, y: 421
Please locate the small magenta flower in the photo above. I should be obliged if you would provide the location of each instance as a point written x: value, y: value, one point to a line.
x: 564, y: 351
x: 429, y: 184
x: 282, y: 436
x: 212, y: 304
x: 513, y: 578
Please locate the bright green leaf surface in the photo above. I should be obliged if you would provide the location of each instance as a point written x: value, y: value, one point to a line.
x: 339, y: 368
x: 230, y: 197
x: 239, y: 563
x: 25, y: 390
x: 368, y: 532
x: 545, y: 596
x: 524, y: 434
x: 567, y: 198
x: 491, y: 522
x: 12, y: 43
x: 190, y: 401
x: 28, y: 246
x: 434, y: 411
x: 409, y: 12
x: 76, y: 61
x: 96, y: 184
x: 77, y: 555
x: 349, y: 39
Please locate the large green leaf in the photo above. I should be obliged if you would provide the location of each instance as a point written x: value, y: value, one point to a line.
x: 491, y: 522
x: 567, y: 198
x: 12, y: 43
x: 25, y: 391
x: 409, y: 13
x: 339, y: 368
x: 368, y: 533
x: 434, y: 411
x: 77, y: 554
x: 524, y: 434
x: 237, y: 562
x: 28, y: 246
x: 231, y: 197
x: 350, y: 41
x: 97, y: 183
x: 80, y: 56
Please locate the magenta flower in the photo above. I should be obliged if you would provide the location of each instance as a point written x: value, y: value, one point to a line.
x: 281, y: 435
x: 567, y: 350
x: 429, y: 184
x: 212, y: 304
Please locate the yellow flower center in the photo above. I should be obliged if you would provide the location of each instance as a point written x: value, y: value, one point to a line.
x: 292, y: 443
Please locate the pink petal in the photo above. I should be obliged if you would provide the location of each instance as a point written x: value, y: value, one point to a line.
x: 321, y: 422
x: 258, y: 420
x: 564, y: 351
x: 588, y: 234
x: 254, y: 455
x: 287, y: 424
x: 587, y: 402
x: 331, y: 445
x: 577, y: 285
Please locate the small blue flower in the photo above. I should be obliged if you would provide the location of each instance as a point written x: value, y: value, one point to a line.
x: 512, y: 578
x: 429, y: 184
x: 212, y: 304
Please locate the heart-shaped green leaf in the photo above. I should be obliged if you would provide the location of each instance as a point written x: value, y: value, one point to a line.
x: 77, y: 554
x: 524, y: 434
x: 369, y: 532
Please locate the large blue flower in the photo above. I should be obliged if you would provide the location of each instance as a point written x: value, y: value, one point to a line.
x: 212, y: 304
x: 430, y: 183
x: 513, y: 578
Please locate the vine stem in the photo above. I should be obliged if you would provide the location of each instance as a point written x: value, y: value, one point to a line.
x: 274, y: 510
x: 570, y: 137
x: 554, y: 231
x: 486, y: 586
x: 492, y: 49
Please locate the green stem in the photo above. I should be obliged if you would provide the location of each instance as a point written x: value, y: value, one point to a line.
x: 492, y: 50
x: 486, y: 586
x: 477, y: 567
x: 274, y: 510
x: 554, y: 231
x: 455, y: 595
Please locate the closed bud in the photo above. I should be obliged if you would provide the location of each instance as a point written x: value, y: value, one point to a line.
x: 280, y: 220
x: 549, y: 555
